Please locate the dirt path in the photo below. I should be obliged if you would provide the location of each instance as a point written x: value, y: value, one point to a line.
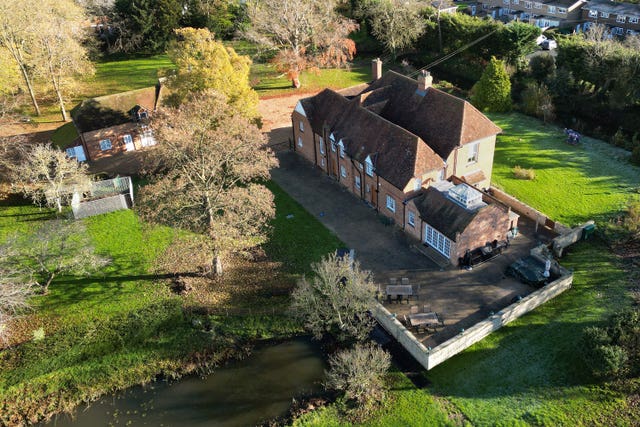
x: 276, y: 111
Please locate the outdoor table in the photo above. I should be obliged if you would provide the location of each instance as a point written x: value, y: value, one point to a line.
x: 399, y: 290
x: 424, y: 320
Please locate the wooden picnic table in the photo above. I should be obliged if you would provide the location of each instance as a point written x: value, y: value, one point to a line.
x: 399, y: 290
x: 429, y: 320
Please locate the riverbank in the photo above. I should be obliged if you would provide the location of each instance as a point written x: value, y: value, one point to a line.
x: 123, y: 326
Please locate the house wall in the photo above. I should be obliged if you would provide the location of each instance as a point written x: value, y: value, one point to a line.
x: 307, y: 149
x: 458, y: 165
x: 116, y: 134
x: 491, y: 223
x: 569, y: 18
x: 611, y: 21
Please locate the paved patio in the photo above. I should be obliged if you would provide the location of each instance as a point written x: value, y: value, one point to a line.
x: 461, y: 297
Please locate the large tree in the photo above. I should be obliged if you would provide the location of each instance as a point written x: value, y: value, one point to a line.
x: 493, y: 91
x: 58, y: 247
x: 394, y: 23
x: 207, y: 168
x: 146, y: 25
x: 45, y: 174
x: 59, y: 53
x: 306, y: 33
x: 203, y: 63
x: 16, y: 286
x: 336, y: 299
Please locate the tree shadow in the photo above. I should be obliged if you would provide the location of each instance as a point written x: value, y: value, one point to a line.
x: 92, y: 115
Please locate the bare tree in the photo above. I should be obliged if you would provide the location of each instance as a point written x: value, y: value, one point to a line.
x: 47, y: 176
x: 17, y: 33
x: 336, y: 299
x: 394, y: 23
x: 58, y: 247
x: 205, y: 175
x: 16, y: 286
x: 59, y: 55
x: 306, y: 33
x: 359, y: 373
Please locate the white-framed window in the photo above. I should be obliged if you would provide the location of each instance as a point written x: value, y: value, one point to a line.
x: 516, y: 1
x: 322, y: 162
x: 473, y: 152
x: 417, y: 184
x: 528, y: 5
x: 146, y: 137
x: 341, y: 147
x: 630, y: 31
x: 437, y: 241
x: 562, y: 10
x: 593, y: 14
x: 105, y: 144
x: 71, y: 152
x: 357, y: 180
x: 321, y: 143
x: 604, y: 14
x: 301, y: 126
x: 633, y: 20
x: 343, y: 171
x: 505, y: 1
x: 411, y: 220
x: 621, y: 19
x: 127, y: 139
x: 391, y: 203
x: 551, y: 9
x: 300, y: 141
x: 368, y: 167
x: 617, y: 31
x: 537, y: 5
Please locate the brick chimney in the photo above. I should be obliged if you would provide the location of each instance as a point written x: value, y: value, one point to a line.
x: 424, y: 81
x: 376, y: 69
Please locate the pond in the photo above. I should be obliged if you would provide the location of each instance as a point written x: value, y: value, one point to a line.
x: 242, y: 393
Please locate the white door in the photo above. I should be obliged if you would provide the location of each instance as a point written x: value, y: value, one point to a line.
x: 79, y: 152
x: 128, y: 142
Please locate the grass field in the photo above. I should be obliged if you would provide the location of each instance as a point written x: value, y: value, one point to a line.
x: 122, y: 326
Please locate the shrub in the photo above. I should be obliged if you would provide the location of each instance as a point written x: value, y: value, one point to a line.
x: 632, y: 218
x: 635, y: 155
x: 537, y: 101
x: 493, y: 91
x: 619, y: 139
x: 542, y: 67
x: 358, y: 373
x: 522, y: 173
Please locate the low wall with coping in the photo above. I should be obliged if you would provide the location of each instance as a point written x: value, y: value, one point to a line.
x: 429, y: 358
x: 99, y: 206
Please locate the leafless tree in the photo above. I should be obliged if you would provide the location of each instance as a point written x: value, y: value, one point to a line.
x: 359, y: 373
x: 16, y: 286
x: 306, y: 33
x: 205, y: 174
x: 336, y: 299
x: 48, y: 177
x: 58, y: 247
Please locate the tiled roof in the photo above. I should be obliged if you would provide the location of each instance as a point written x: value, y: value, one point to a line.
x: 443, y: 121
x: 398, y: 155
x: 111, y: 110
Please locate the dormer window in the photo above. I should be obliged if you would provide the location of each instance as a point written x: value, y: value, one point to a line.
x: 341, y: 146
x: 368, y: 166
x: 301, y: 126
x: 465, y: 196
x: 417, y: 184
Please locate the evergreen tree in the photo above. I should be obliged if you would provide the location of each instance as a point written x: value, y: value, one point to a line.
x: 147, y: 25
x: 493, y: 91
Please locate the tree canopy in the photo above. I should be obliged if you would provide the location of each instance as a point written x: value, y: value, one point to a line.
x: 202, y: 63
x: 205, y: 175
x: 146, y: 25
x: 493, y: 90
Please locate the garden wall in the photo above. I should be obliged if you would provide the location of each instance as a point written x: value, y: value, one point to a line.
x: 429, y: 358
x: 100, y: 206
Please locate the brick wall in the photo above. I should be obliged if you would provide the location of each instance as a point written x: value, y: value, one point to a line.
x: 303, y: 139
x: 491, y: 223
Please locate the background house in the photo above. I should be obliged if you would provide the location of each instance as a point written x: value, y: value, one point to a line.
x: 543, y: 14
x: 390, y: 140
x: 620, y: 18
x: 114, y: 124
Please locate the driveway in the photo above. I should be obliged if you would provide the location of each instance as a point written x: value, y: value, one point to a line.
x: 379, y: 247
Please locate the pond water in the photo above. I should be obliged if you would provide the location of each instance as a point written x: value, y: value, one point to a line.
x: 242, y: 393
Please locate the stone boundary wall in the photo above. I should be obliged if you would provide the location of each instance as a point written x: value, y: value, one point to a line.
x: 100, y: 206
x: 528, y: 211
x: 429, y: 358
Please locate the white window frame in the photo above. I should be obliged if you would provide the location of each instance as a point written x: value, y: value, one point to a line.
x: 621, y: 19
x: 516, y: 1
x: 105, y: 144
x: 593, y: 14
x: 537, y: 5
x: 391, y: 203
x: 528, y: 5
x: 343, y: 171
x: 300, y: 143
x: 474, y: 150
x: 368, y: 167
x: 437, y: 240
x: 322, y: 162
x: 604, y: 14
x: 357, y: 182
x: 71, y: 152
x: 301, y: 126
x: 562, y: 10
x: 551, y: 9
x: 411, y: 219
x: 341, y: 148
x: 417, y: 184
x: 634, y: 19
x: 321, y: 143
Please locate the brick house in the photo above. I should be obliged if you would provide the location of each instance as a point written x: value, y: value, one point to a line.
x: 543, y: 14
x: 114, y: 124
x: 390, y: 141
x: 620, y: 18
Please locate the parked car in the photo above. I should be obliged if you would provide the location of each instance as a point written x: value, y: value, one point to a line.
x: 541, y: 38
x: 548, y: 44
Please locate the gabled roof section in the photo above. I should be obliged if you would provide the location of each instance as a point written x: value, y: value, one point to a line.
x: 111, y: 110
x: 443, y: 121
x: 398, y: 155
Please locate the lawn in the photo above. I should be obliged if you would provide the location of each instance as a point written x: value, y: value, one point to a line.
x: 122, y: 326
